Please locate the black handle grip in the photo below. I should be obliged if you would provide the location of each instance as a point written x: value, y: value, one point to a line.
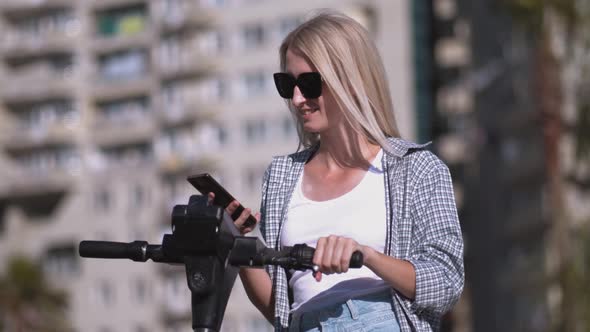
x: 356, y: 260
x: 303, y: 254
x: 104, y: 249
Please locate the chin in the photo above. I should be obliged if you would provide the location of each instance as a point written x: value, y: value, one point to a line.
x: 311, y: 129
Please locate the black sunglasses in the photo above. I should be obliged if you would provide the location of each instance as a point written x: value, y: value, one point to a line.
x: 310, y: 84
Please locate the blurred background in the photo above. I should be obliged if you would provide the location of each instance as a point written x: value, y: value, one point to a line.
x: 106, y: 106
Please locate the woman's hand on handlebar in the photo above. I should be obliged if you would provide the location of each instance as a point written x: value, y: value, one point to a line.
x: 242, y: 218
x: 332, y: 254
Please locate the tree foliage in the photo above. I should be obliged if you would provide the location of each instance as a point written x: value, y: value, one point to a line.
x: 27, y: 302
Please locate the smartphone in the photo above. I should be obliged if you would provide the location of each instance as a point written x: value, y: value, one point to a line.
x: 206, y: 184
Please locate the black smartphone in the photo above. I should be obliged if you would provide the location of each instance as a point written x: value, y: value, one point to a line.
x: 206, y: 184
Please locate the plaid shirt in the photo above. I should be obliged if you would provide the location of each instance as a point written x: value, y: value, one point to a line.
x: 422, y: 228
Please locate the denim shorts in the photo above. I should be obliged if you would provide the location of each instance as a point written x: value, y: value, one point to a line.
x: 373, y: 312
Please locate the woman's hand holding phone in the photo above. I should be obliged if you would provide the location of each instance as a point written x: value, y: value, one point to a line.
x: 243, y: 216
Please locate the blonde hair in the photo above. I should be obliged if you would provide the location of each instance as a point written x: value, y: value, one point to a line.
x: 346, y: 57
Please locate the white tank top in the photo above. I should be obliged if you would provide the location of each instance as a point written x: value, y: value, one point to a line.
x: 358, y: 214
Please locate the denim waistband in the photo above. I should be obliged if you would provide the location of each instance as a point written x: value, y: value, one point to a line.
x: 351, y: 309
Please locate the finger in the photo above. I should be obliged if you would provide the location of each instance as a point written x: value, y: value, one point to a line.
x: 319, y: 251
x: 326, y: 264
x: 251, y: 228
x: 232, y: 207
x: 336, y: 262
x: 346, y: 255
x: 210, y: 198
x: 242, y: 219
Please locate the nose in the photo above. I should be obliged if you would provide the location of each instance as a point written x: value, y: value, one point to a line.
x: 298, y: 98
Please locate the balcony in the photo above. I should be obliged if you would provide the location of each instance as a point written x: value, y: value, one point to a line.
x: 188, y: 110
x: 104, y: 89
x: 174, y: 162
x: 112, y: 4
x: 176, y: 15
x: 28, y: 6
x: 37, y: 193
x: 18, y: 138
x: 123, y: 155
x: 36, y: 82
x: 48, y: 169
x: 16, y: 44
x: 110, y: 132
x: 142, y: 39
x: 187, y: 63
x: 185, y: 162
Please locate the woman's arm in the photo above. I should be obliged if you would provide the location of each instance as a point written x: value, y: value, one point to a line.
x: 333, y: 256
x: 258, y: 287
x: 256, y: 282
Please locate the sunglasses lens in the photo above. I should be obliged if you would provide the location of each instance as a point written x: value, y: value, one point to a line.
x: 285, y: 84
x: 310, y: 84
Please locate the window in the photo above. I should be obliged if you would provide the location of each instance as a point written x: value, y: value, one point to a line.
x: 214, y: 89
x: 121, y: 22
x: 222, y: 135
x: 140, y: 291
x: 178, y: 141
x: 42, y: 115
x: 171, y: 50
x: 172, y: 8
x: 47, y: 159
x: 139, y: 197
x: 177, y: 297
x: 176, y: 97
x: 62, y: 261
x: 218, y: 89
x: 255, y: 131
x: 55, y: 66
x: 56, y: 21
x: 211, y: 137
x: 171, y: 94
x: 253, y: 36
x: 102, y: 200
x: 105, y: 293
x: 129, y: 154
x: 211, y: 42
x: 255, y: 83
x: 125, y: 111
x: 125, y: 65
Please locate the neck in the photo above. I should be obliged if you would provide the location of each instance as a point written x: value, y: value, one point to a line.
x: 345, y: 148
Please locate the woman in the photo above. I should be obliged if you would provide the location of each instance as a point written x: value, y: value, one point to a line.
x: 355, y: 186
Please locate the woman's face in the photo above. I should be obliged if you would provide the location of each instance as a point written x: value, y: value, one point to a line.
x: 318, y: 114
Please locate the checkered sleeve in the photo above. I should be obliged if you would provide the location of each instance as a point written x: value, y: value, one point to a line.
x: 437, y: 250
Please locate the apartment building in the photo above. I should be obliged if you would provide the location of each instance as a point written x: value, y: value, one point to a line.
x: 106, y: 106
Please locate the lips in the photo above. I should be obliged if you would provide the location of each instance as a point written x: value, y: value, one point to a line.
x: 308, y: 111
